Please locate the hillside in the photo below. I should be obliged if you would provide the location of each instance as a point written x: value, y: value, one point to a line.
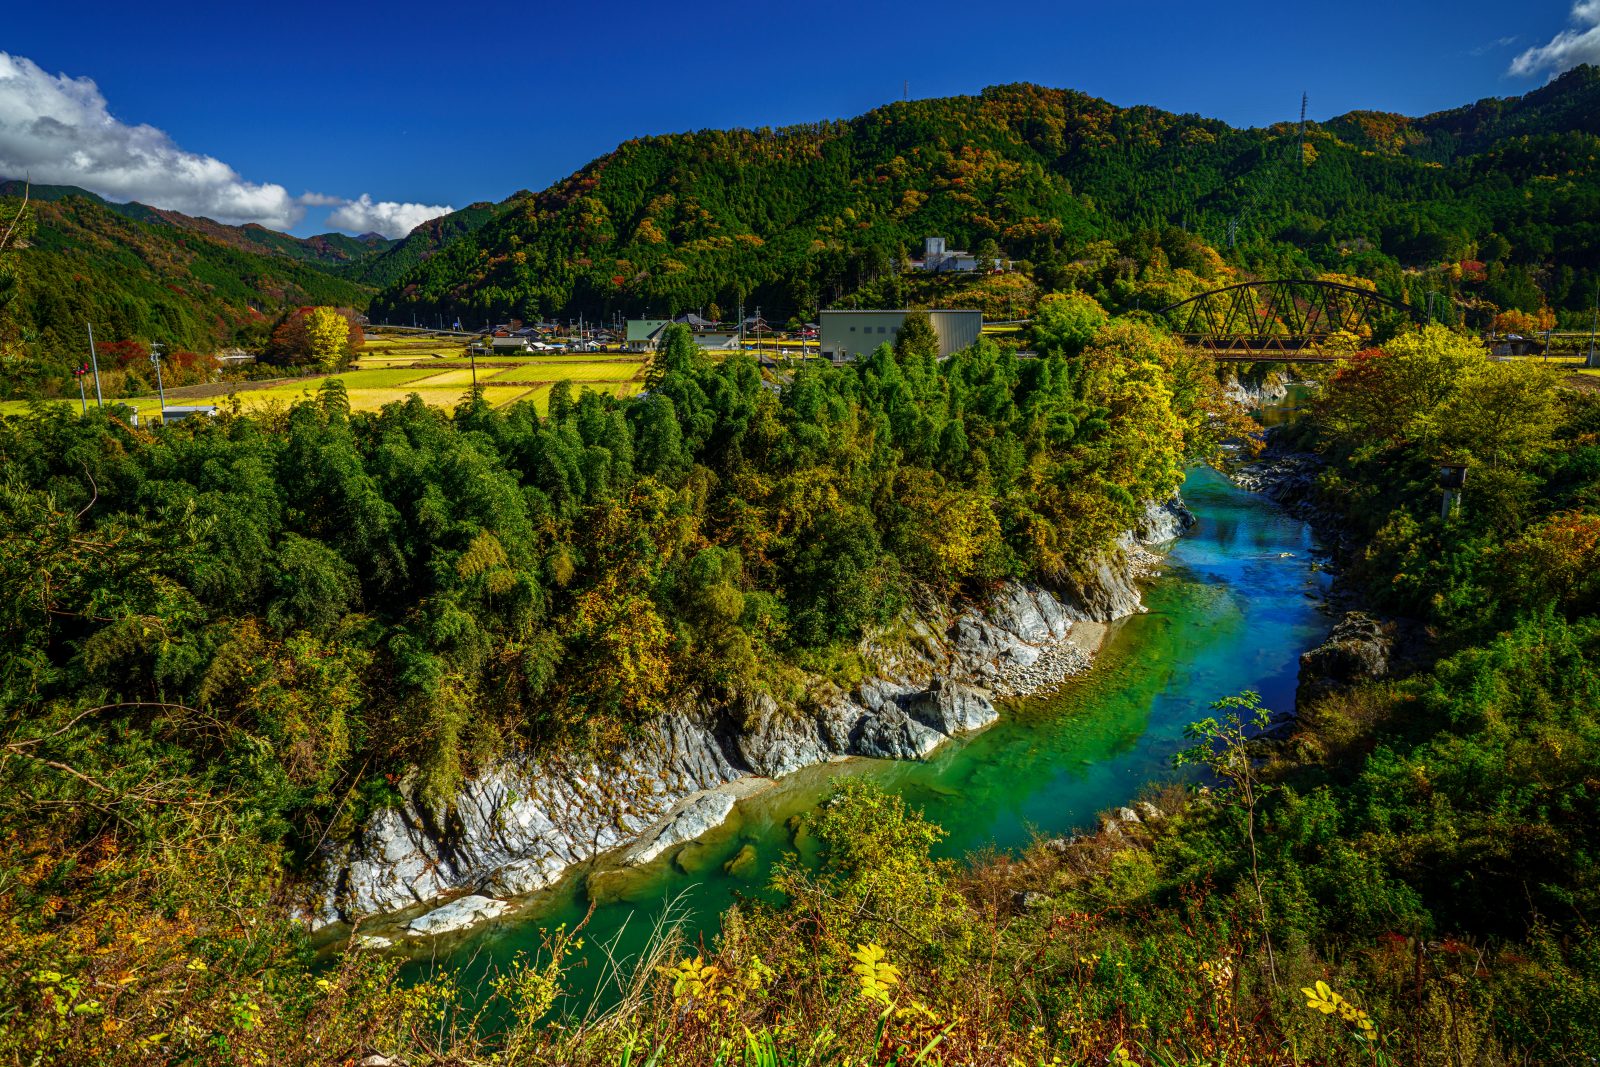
x: 152, y: 278
x: 805, y: 216
x: 402, y: 255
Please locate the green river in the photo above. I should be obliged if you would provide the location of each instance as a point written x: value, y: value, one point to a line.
x: 1236, y: 604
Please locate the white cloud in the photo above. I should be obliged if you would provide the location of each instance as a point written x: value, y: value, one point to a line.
x: 1566, y: 49
x: 1493, y: 46
x: 386, y: 217
x: 59, y: 130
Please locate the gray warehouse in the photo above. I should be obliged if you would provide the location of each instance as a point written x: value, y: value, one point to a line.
x: 848, y: 334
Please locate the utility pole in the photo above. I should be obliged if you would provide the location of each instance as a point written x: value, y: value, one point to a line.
x: 161, y: 390
x: 94, y: 361
x: 1594, y: 357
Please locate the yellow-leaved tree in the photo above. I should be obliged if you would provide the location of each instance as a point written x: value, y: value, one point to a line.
x: 330, y: 338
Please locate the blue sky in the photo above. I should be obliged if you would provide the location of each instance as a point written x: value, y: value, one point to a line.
x: 444, y: 104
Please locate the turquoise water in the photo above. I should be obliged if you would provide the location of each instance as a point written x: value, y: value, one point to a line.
x: 1235, y: 606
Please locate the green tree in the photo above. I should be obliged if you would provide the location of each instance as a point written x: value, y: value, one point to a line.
x: 1065, y: 323
x: 1223, y: 747
x: 916, y: 339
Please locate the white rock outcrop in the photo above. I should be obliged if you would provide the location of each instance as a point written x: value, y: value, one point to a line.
x: 457, y: 915
x: 692, y: 817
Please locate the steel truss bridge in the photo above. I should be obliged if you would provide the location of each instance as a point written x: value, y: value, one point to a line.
x: 1287, y: 320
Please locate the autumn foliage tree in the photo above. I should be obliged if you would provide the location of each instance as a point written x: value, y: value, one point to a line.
x: 323, y: 338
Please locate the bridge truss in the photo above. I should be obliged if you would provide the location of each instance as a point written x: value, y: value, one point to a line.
x: 1283, y: 320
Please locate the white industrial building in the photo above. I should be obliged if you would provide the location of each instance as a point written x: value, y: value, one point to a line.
x: 850, y: 334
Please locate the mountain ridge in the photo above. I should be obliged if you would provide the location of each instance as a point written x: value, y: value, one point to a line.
x: 798, y: 218
x: 332, y: 248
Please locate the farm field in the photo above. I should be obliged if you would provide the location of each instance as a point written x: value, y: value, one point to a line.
x: 370, y: 388
x: 547, y: 371
x: 540, y: 395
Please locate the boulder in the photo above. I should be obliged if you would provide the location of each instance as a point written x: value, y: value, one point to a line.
x: 952, y: 707
x: 694, y: 857
x: 1029, y: 900
x: 457, y: 915
x: 895, y: 735
x: 743, y: 863
x: 1115, y: 822
x: 1161, y: 523
x: 1106, y: 590
x: 688, y: 820
x: 521, y: 877
x: 1357, y: 650
x: 612, y: 885
x: 777, y: 744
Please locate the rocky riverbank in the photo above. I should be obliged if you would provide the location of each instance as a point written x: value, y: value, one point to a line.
x: 1253, y: 394
x: 1360, y: 647
x: 520, y: 824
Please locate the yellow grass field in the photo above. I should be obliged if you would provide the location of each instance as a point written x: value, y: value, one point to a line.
x: 543, y: 371
x: 141, y: 404
x: 371, y: 388
x: 373, y: 398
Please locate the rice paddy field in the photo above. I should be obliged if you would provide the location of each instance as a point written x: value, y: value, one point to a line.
x: 391, y: 367
x: 441, y: 380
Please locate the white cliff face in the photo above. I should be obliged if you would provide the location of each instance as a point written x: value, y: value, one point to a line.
x: 519, y: 825
x: 1254, y: 394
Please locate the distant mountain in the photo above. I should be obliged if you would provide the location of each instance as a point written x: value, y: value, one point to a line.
x: 1570, y: 104
x: 427, y: 239
x: 137, y: 272
x: 807, y: 216
x: 328, y: 249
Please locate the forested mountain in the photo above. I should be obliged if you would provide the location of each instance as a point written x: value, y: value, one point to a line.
x: 136, y: 272
x: 426, y: 239
x: 1495, y: 204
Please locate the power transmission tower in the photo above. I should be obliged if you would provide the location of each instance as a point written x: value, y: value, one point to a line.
x: 1304, y: 97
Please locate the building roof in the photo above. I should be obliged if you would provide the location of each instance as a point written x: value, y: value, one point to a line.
x: 646, y: 329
